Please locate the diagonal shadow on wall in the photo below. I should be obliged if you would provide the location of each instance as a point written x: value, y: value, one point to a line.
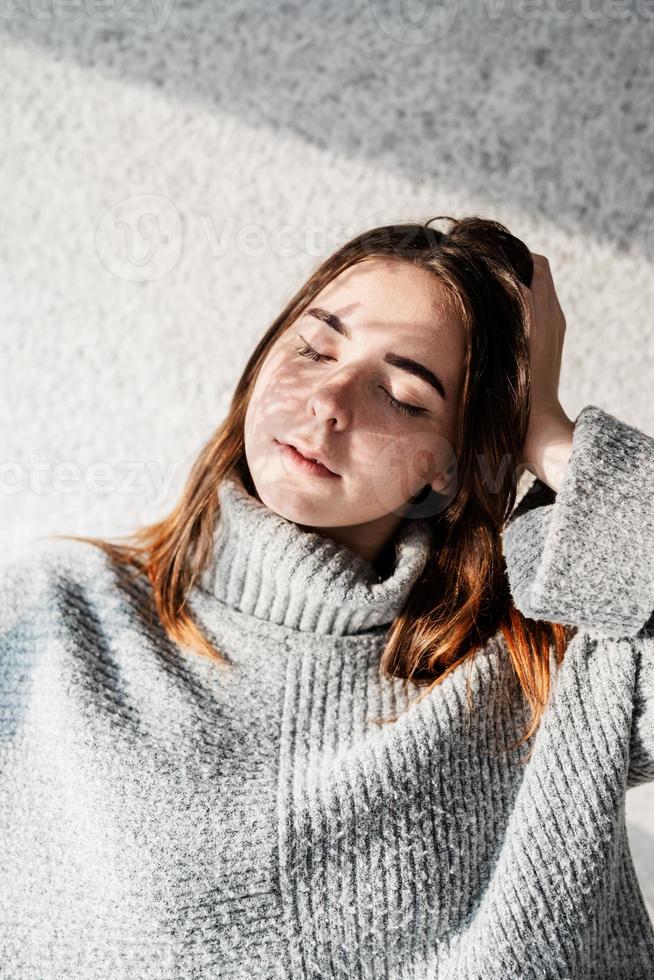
x: 541, y: 106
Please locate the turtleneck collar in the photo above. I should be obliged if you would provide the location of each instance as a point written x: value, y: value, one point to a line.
x: 267, y: 566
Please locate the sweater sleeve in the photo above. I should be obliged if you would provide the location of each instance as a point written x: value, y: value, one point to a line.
x: 585, y: 556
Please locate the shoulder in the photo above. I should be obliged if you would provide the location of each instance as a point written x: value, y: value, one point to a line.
x: 52, y: 572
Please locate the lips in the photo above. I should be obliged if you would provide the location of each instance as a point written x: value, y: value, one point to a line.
x: 309, y: 454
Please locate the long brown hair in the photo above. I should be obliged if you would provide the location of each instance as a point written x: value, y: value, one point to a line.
x: 462, y: 598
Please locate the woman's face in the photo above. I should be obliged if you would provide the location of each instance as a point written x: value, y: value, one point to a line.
x: 340, y: 407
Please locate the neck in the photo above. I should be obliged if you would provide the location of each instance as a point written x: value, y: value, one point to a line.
x: 373, y: 541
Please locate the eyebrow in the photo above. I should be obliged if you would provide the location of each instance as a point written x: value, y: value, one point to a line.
x: 395, y: 360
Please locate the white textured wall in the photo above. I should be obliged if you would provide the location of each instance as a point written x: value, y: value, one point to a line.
x: 152, y: 154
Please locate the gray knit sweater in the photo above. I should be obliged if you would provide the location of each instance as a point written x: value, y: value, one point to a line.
x: 162, y: 818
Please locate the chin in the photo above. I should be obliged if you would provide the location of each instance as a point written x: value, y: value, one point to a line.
x: 298, y: 506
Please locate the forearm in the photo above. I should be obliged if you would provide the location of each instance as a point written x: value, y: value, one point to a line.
x: 548, y: 458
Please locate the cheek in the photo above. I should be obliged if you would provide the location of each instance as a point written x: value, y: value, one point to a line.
x: 406, y: 461
x: 277, y: 386
x: 260, y: 411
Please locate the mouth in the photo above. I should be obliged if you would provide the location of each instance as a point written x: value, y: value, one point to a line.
x: 310, y: 464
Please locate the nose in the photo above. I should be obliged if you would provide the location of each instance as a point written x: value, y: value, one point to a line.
x: 332, y: 400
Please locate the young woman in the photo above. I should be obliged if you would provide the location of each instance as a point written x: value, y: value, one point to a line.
x: 359, y: 718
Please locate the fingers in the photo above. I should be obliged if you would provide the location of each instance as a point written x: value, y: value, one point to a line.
x: 543, y: 279
x: 541, y: 274
x: 542, y: 271
x: 541, y: 288
x: 542, y: 297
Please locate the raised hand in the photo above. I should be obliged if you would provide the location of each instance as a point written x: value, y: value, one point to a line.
x: 548, y: 443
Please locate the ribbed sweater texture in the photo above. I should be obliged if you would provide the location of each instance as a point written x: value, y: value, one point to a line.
x: 166, y: 819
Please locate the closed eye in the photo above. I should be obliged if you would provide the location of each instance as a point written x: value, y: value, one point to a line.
x: 307, y: 351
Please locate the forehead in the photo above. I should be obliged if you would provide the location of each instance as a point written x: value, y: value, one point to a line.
x: 383, y: 293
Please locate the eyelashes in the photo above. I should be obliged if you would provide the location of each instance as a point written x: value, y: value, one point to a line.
x: 306, y: 351
x: 399, y: 407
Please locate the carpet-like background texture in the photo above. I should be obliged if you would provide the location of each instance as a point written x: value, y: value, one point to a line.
x: 172, y: 171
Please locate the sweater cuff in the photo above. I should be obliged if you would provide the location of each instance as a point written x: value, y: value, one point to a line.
x: 584, y: 557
